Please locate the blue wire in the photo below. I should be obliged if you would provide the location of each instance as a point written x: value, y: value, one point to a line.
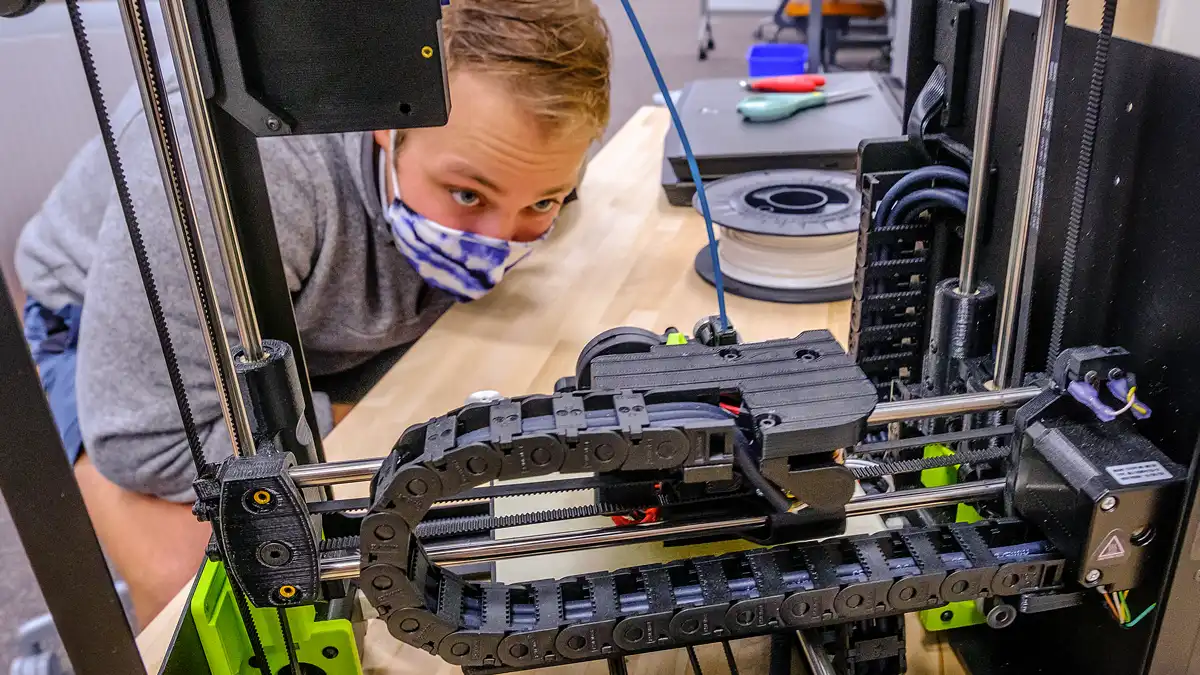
x: 718, y: 279
x: 924, y: 198
x: 924, y: 174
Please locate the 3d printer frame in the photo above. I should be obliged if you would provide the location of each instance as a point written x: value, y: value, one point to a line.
x: 1152, y: 232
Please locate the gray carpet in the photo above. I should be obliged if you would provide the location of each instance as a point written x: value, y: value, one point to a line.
x: 671, y: 27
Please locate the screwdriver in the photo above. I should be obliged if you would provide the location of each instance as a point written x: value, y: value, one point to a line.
x: 774, y: 107
x: 793, y: 84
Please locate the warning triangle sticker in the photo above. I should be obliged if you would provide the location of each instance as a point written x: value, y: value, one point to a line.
x: 1112, y: 548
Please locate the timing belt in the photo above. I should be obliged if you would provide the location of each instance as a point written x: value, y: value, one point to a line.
x: 204, y: 469
x: 606, y: 614
x: 1083, y: 173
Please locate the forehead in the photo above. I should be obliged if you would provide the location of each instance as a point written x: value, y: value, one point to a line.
x: 492, y: 134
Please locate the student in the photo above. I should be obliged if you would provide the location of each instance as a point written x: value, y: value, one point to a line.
x: 379, y: 232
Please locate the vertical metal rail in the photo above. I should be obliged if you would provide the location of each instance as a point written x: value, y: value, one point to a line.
x: 1031, y: 187
x: 178, y: 193
x: 213, y: 175
x: 993, y: 48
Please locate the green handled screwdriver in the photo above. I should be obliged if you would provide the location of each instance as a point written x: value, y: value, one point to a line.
x: 774, y: 107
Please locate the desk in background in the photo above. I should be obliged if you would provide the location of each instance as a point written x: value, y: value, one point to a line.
x: 620, y: 256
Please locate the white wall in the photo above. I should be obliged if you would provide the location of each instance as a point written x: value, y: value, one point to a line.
x: 1178, y: 23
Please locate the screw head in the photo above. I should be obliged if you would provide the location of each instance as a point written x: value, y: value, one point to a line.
x: 1092, y: 576
x: 274, y: 124
x: 330, y: 652
x: 1116, y: 374
x: 1108, y: 503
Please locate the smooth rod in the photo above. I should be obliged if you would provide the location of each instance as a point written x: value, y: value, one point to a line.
x: 562, y: 542
x: 360, y: 470
x: 989, y: 77
x: 171, y: 165
x: 1030, y: 186
x: 213, y: 174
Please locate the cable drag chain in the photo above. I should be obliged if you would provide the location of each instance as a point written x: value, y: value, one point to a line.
x: 648, y: 607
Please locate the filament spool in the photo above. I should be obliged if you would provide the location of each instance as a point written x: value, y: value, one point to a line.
x: 785, y: 236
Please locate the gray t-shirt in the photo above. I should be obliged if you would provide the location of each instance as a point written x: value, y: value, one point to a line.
x: 355, y: 296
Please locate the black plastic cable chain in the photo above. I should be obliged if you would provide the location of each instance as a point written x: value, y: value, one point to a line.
x: 203, y: 468
x: 658, y: 606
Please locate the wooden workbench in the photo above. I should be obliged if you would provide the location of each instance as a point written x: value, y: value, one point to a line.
x: 620, y: 256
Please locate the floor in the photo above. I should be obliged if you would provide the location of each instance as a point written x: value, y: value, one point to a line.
x: 633, y: 87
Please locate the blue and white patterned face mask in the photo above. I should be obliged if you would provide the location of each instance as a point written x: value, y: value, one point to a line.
x: 464, y: 264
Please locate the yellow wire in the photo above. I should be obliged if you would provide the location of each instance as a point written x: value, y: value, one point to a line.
x: 1136, y: 406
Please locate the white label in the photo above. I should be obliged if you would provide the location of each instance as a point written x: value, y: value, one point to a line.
x: 1112, y: 548
x: 1141, y: 472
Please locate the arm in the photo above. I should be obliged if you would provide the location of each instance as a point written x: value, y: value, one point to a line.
x: 131, y: 425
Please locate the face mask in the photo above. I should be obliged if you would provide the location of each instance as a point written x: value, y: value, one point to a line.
x: 464, y: 264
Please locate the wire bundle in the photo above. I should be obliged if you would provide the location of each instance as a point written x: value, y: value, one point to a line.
x: 910, y: 195
x: 1118, y: 606
x: 772, y: 261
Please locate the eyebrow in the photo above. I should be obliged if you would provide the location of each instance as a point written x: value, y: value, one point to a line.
x: 555, y: 190
x: 471, y: 175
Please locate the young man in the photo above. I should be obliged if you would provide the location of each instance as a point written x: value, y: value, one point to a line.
x: 380, y: 233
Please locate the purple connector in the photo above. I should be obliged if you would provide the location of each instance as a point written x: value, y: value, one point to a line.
x: 1120, y: 389
x: 1087, y: 395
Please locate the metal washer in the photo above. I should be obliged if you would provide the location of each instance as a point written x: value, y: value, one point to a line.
x: 787, y: 203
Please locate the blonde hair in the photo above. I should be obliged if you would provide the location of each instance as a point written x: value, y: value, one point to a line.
x: 553, y: 55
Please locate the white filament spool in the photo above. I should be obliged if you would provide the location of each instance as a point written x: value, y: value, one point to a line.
x: 785, y: 236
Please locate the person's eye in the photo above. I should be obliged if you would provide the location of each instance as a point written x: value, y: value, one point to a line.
x: 466, y: 197
x: 545, y: 206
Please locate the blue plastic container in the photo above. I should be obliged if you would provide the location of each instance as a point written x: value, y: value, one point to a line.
x: 769, y: 59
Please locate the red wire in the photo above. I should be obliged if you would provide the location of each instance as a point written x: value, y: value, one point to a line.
x: 731, y: 408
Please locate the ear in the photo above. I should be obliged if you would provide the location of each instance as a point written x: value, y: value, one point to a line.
x: 383, y: 138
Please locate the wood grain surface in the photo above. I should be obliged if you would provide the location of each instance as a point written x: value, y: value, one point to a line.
x: 619, y: 256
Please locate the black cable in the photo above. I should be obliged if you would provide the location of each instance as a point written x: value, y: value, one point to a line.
x: 139, y: 246
x: 1083, y: 172
x: 768, y: 490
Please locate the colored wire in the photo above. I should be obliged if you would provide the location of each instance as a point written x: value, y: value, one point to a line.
x: 718, y: 280
x: 1125, y: 613
x: 1112, y: 607
x: 1141, y: 616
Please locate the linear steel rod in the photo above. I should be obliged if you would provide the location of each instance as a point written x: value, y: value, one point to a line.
x: 360, y: 470
x: 213, y: 174
x: 1031, y: 186
x: 814, y: 652
x: 958, y: 404
x: 171, y: 165
x: 562, y: 542
x: 993, y: 48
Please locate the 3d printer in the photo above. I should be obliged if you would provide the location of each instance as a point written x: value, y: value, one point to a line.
x: 1080, y: 492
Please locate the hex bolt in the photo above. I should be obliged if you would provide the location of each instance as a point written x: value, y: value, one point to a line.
x: 274, y: 124
x: 1092, y: 576
x: 1108, y: 503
